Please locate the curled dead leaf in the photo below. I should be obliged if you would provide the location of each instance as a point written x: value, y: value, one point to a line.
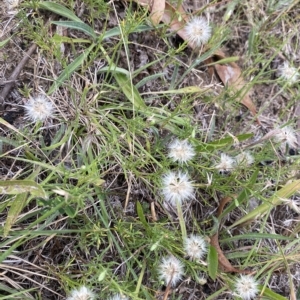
x: 231, y: 75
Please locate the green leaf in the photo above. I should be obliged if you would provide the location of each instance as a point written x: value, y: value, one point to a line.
x: 219, y: 144
x: 115, y: 69
x: 59, y: 10
x: 142, y: 218
x: 15, y: 187
x: 72, y: 67
x: 116, y: 31
x: 285, y: 192
x: 255, y: 236
x: 130, y: 91
x: 272, y: 295
x: 78, y: 26
x: 3, y: 43
x: 16, y: 207
x: 212, y: 259
x: 186, y: 90
x: 58, y: 39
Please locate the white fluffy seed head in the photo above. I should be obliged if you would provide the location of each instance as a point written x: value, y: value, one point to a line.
x: 181, y: 151
x: 83, y: 293
x: 246, y: 287
x: 170, y: 270
x: 118, y: 297
x: 286, y: 136
x: 38, y: 108
x: 176, y: 186
x: 288, y: 72
x: 198, y: 31
x: 195, y: 247
x: 245, y: 159
x: 226, y: 164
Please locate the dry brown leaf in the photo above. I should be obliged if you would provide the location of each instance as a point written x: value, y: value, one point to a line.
x: 231, y: 75
x: 224, y: 263
x: 157, y: 11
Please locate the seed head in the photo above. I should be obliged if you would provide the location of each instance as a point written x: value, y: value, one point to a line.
x: 246, y: 287
x: 198, y: 31
x: 83, y: 293
x: 288, y: 72
x: 287, y: 137
x: 170, y: 270
x: 118, y: 297
x: 181, y: 151
x: 244, y: 158
x: 177, y: 187
x: 226, y: 164
x: 195, y: 247
x: 38, y: 108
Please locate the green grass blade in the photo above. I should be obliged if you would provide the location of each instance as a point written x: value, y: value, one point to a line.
x: 16, y: 207
x: 78, y: 26
x: 130, y: 91
x: 59, y: 10
x: 256, y: 236
x: 285, y: 192
x: 3, y: 43
x: 272, y: 295
x: 212, y: 259
x: 15, y: 187
x: 72, y: 67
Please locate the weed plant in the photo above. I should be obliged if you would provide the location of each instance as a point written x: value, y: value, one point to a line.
x: 125, y: 145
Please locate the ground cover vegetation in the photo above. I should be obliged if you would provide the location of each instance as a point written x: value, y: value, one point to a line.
x: 149, y: 149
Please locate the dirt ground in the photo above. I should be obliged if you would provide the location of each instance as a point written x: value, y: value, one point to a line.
x: 273, y: 107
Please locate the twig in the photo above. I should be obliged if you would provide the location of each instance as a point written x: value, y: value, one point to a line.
x: 13, y: 77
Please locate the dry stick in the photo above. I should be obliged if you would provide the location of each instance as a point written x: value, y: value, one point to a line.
x: 13, y: 77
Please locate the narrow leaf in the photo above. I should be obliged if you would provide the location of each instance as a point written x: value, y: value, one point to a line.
x: 59, y: 10
x: 272, y: 295
x: 130, y: 90
x: 285, y: 192
x: 15, y: 187
x: 72, y: 67
x: 16, y: 207
x: 3, y: 43
x: 212, y: 259
x: 256, y: 236
x: 141, y: 216
x: 78, y: 26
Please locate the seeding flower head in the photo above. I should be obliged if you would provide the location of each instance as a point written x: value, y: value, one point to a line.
x: 181, y: 151
x: 244, y: 158
x: 288, y: 72
x: 195, y: 247
x: 226, y: 164
x: 246, y: 287
x: 38, y: 108
x: 170, y: 270
x: 83, y: 293
x: 176, y: 186
x: 286, y: 136
x: 118, y: 297
x: 198, y: 31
